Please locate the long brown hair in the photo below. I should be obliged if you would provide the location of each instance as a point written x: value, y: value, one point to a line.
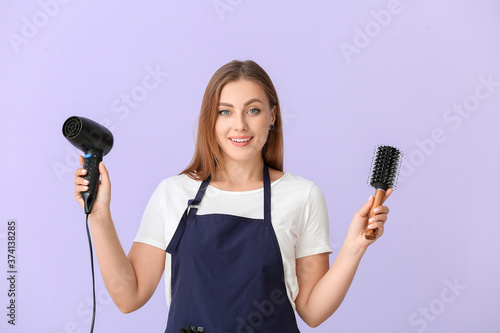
x: 207, y: 156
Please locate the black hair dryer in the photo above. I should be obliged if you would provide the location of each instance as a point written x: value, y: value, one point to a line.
x: 95, y: 141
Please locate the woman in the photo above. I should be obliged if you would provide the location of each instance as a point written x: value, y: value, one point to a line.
x: 243, y: 244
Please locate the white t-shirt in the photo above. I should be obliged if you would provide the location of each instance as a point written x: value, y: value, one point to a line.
x: 298, y: 212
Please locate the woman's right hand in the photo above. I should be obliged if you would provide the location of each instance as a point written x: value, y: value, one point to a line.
x: 103, y: 198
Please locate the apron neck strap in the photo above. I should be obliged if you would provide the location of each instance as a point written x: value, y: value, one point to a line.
x: 201, y: 192
x: 267, y: 195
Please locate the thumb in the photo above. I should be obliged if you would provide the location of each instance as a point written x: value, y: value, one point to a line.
x: 104, y: 175
x: 365, y: 210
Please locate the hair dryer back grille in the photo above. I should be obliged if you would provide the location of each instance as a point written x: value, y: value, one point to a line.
x: 72, y: 127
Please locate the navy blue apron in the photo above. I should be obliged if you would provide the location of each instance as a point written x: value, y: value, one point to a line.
x: 227, y: 273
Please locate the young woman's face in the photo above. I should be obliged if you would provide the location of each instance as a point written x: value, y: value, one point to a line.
x: 243, y: 122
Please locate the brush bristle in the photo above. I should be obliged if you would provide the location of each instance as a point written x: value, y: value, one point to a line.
x: 385, y: 167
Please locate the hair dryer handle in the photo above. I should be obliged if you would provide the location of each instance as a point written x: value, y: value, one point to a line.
x: 91, y: 164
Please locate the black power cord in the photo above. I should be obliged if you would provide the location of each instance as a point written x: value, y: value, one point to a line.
x: 93, y: 277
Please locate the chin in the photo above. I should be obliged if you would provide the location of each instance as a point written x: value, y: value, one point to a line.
x: 242, y: 158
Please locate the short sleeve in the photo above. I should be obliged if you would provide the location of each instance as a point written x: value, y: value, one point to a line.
x: 315, y: 238
x: 152, y: 228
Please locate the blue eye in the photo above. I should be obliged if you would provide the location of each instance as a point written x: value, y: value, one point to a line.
x: 224, y: 112
x: 253, y: 111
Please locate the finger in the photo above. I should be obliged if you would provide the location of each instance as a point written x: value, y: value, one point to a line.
x: 387, y: 194
x: 365, y: 210
x: 378, y: 227
x: 104, y: 174
x: 81, y: 188
x: 378, y: 218
x: 80, y: 181
x: 374, y: 224
x: 80, y: 172
x: 81, y: 159
x: 381, y: 210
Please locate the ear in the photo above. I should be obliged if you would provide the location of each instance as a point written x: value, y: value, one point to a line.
x: 273, y: 115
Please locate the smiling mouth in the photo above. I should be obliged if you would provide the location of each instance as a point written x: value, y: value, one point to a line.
x: 240, y: 140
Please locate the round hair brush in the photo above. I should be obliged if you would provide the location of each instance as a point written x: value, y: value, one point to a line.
x: 384, y: 172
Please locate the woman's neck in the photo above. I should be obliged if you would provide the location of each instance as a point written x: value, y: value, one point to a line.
x: 241, y: 176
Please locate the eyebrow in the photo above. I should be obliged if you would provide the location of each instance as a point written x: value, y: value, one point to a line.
x: 250, y: 101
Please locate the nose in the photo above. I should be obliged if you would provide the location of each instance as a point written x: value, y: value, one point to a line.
x: 240, y: 122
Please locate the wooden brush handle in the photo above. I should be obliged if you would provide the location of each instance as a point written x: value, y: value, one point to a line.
x: 379, y: 195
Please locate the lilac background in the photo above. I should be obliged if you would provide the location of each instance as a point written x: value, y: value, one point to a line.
x: 399, y: 82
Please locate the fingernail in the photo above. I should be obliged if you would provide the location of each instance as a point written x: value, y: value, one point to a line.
x: 376, y: 210
x: 370, y: 197
x: 371, y: 226
x: 371, y: 220
x: 83, y: 171
x: 85, y: 181
x: 85, y: 188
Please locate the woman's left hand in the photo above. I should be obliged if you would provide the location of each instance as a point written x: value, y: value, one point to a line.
x: 357, y: 229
